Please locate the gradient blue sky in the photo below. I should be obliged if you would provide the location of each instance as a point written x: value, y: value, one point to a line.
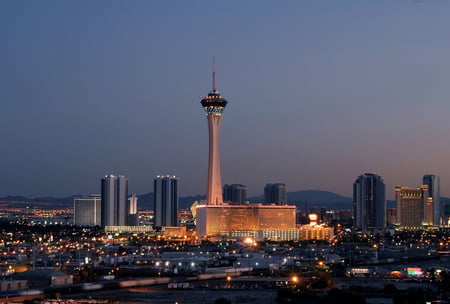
x: 319, y: 92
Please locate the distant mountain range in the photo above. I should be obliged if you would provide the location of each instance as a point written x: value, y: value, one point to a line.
x: 53, y: 202
x: 304, y: 199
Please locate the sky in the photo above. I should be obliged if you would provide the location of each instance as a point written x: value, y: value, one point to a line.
x: 319, y: 92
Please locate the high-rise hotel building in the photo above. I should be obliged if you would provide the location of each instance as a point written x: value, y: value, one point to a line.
x: 369, y: 202
x: 414, y: 207
x: 166, y: 200
x: 432, y: 181
x: 115, y: 204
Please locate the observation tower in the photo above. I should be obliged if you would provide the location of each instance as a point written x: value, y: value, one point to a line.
x: 214, y: 104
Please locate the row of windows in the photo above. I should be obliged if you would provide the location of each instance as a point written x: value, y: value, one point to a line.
x: 214, y: 110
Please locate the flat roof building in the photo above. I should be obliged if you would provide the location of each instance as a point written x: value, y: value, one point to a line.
x: 414, y: 207
x: 275, y: 194
x: 369, y: 202
x: 235, y: 194
x: 115, y: 205
x: 87, y: 211
x: 432, y: 181
x: 226, y: 220
x: 166, y: 200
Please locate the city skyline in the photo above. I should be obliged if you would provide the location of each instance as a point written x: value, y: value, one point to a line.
x: 321, y: 92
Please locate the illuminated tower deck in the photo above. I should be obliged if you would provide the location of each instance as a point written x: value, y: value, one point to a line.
x: 214, y: 105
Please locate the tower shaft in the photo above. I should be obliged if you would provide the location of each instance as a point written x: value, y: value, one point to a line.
x: 214, y: 187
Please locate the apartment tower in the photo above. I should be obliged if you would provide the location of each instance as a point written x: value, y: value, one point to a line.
x: 432, y: 181
x: 115, y: 206
x: 369, y: 201
x: 235, y: 194
x: 166, y: 200
x: 275, y: 194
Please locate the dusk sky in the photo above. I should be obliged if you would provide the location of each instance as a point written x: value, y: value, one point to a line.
x: 318, y: 93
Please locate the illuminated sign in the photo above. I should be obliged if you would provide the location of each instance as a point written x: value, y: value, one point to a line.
x: 313, y: 219
x: 414, y: 271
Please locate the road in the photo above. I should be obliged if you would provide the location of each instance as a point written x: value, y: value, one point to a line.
x: 198, y: 295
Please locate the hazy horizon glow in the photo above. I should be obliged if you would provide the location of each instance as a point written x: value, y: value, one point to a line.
x: 319, y: 93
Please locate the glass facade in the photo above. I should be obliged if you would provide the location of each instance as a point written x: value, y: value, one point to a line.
x: 369, y: 201
x: 432, y: 181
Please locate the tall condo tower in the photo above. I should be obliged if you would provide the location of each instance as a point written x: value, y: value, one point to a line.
x: 115, y: 208
x: 166, y: 200
x: 275, y: 194
x: 214, y: 105
x: 235, y: 194
x: 369, y: 201
x: 432, y: 181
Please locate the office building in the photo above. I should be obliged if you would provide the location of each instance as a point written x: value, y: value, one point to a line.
x: 414, y: 207
x: 432, y: 181
x: 275, y: 194
x: 235, y: 194
x: 87, y: 211
x: 214, y: 104
x: 165, y: 194
x: 369, y: 202
x: 115, y: 207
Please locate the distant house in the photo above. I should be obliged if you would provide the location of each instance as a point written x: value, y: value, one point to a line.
x: 11, y: 285
x: 44, y: 278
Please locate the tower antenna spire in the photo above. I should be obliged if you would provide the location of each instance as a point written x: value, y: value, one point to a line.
x: 214, y: 74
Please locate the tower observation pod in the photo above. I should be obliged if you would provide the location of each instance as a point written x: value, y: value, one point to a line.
x: 214, y: 104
